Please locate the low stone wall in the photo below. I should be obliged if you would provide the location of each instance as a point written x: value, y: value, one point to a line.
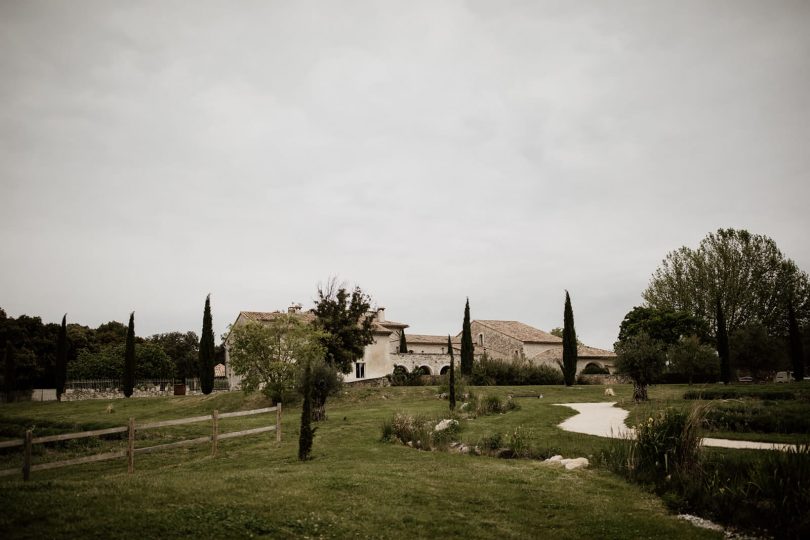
x: 115, y: 393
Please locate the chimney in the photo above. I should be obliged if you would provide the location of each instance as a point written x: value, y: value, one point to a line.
x: 380, y: 314
x: 294, y: 308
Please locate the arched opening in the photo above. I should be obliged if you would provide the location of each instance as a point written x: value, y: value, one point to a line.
x: 426, y: 370
x: 595, y: 368
x: 444, y: 370
x: 400, y: 368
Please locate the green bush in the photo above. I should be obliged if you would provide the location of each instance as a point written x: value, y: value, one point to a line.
x: 595, y: 369
x: 736, y: 393
x: 516, y: 372
x: 760, y: 416
x: 418, y: 431
x: 760, y: 491
x: 401, y: 377
x: 485, y: 405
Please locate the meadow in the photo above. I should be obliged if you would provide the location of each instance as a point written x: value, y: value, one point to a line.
x: 355, y: 486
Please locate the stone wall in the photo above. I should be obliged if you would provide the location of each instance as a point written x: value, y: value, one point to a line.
x: 434, y: 362
x: 115, y: 393
x: 496, y: 344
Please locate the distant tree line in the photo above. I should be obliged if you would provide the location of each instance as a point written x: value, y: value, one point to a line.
x: 92, y: 353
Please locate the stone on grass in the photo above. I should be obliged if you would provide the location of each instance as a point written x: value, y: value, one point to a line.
x: 445, y: 424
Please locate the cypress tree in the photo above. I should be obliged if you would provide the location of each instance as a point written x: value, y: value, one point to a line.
x: 403, y: 345
x: 796, y: 348
x: 452, y: 383
x: 307, y: 432
x: 722, y: 344
x: 207, y: 352
x: 10, y: 373
x: 61, y: 359
x: 466, y: 343
x: 569, y: 363
x: 129, y: 358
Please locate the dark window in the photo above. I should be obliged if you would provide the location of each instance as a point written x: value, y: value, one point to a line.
x: 481, y: 339
x: 360, y: 370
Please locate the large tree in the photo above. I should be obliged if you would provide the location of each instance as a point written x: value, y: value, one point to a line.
x: 61, y: 359
x: 641, y: 358
x: 692, y: 359
x: 467, y: 347
x: 747, y: 272
x: 795, y: 343
x: 207, y: 351
x: 665, y: 325
x: 721, y: 327
x: 268, y: 356
x: 307, y: 433
x: 569, y: 361
x: 183, y: 349
x: 129, y: 358
x: 452, y: 376
x: 346, y: 323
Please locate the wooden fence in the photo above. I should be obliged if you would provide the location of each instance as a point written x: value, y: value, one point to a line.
x: 131, y: 429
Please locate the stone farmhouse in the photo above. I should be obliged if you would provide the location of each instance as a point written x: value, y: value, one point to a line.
x: 503, y: 340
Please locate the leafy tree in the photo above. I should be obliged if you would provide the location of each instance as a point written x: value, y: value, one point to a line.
x: 569, y: 362
x: 691, y: 358
x: 641, y: 358
x: 722, y: 343
x: 746, y: 271
x: 754, y: 350
x: 9, y: 373
x: 796, y: 349
x: 265, y: 354
x: 61, y: 359
x: 467, y: 347
x: 207, y: 350
x: 183, y: 349
x: 664, y: 325
x: 403, y: 345
x: 151, y: 362
x: 307, y: 432
x: 110, y: 333
x: 326, y: 381
x: 557, y: 332
x: 129, y: 358
x: 452, y: 377
x: 345, y: 323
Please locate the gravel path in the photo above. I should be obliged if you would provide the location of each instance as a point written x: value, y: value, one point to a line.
x: 604, y: 420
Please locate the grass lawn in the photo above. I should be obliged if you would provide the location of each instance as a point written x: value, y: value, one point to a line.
x: 355, y: 486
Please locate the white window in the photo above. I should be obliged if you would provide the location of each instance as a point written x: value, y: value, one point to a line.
x: 359, y: 370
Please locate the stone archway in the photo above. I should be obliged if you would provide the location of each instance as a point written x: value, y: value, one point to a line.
x: 444, y: 370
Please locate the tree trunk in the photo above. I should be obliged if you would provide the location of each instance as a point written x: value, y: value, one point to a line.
x: 639, y: 392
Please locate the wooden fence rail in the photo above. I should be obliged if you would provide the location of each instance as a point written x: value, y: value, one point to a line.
x: 131, y: 429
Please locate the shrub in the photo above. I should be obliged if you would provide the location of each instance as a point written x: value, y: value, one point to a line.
x: 759, y: 416
x: 518, y: 442
x: 595, y: 369
x: 491, y: 372
x: 401, y: 377
x: 668, y: 443
x: 418, y: 431
x: 491, y: 443
x: 734, y: 393
x: 494, y: 405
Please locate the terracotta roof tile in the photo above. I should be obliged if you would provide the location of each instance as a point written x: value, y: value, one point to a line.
x: 520, y: 331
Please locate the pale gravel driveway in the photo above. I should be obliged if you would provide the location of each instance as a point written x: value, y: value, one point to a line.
x: 604, y: 420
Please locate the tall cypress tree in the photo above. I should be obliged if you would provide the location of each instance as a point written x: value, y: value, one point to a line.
x: 796, y: 348
x: 403, y: 345
x: 129, y: 358
x: 61, y: 359
x: 10, y: 373
x: 466, y: 343
x: 569, y: 363
x: 307, y: 432
x: 207, y: 352
x: 722, y: 344
x: 452, y: 382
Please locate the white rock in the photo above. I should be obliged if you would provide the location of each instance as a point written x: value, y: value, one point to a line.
x: 445, y: 424
x: 577, y: 463
x: 555, y: 458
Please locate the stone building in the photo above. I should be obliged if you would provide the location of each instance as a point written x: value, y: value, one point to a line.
x: 377, y: 358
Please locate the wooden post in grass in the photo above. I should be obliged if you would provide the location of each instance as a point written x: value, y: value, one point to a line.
x: 131, y: 447
x: 27, y: 455
x: 278, y: 422
x: 214, y: 432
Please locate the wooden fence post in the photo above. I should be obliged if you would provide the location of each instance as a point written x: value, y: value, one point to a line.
x: 278, y: 422
x: 131, y: 447
x: 27, y: 455
x: 214, y: 432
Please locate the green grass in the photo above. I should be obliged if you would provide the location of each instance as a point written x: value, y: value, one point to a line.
x: 356, y: 486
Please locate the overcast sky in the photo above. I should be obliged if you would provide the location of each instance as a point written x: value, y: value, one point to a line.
x: 153, y: 152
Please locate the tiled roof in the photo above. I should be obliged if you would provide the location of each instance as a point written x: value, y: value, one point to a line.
x: 520, y: 331
x: 583, y: 352
x: 309, y: 316
x: 429, y: 340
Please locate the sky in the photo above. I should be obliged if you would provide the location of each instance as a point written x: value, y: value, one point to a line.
x: 152, y: 153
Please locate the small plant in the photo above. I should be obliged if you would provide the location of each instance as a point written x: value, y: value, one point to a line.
x: 518, y: 442
x: 494, y: 405
x: 491, y: 443
x: 420, y: 431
